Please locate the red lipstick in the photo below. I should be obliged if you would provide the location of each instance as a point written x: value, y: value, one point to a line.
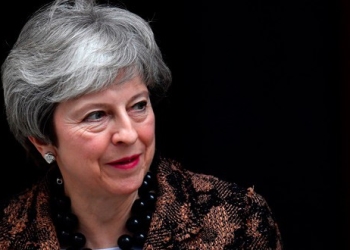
x: 126, y: 162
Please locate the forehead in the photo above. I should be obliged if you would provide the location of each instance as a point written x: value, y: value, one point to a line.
x: 119, y: 92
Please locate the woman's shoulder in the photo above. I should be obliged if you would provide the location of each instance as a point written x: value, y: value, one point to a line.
x: 18, y: 204
x: 25, y: 220
x: 214, y: 206
x: 191, y: 182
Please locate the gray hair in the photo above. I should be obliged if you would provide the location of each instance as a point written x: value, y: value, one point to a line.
x: 71, y: 48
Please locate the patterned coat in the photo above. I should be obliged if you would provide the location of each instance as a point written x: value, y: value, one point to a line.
x: 193, y: 211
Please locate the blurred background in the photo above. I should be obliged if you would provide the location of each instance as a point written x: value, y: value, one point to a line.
x: 259, y: 97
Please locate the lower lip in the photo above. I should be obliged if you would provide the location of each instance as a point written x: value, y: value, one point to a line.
x: 128, y: 165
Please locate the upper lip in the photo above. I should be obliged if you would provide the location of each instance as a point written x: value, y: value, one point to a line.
x: 125, y: 159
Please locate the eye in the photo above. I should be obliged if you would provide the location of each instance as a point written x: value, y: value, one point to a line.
x: 140, y: 106
x: 95, y: 116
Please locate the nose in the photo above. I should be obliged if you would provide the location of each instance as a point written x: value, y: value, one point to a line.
x: 124, y: 131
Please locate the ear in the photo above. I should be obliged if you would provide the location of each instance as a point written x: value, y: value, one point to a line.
x: 42, y: 147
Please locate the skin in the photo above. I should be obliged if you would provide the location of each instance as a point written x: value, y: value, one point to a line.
x: 94, y: 132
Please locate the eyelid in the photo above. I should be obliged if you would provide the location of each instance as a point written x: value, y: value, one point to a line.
x: 92, y: 113
x: 140, y: 105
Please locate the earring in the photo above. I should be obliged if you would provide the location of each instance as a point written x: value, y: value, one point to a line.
x: 49, y: 157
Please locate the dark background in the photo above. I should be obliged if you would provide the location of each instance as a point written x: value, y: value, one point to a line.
x: 259, y: 97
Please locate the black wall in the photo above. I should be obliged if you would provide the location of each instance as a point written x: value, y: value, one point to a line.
x: 255, y: 100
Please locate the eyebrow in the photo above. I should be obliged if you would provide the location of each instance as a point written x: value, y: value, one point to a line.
x: 144, y: 93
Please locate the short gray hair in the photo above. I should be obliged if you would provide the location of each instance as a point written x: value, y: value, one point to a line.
x: 71, y: 48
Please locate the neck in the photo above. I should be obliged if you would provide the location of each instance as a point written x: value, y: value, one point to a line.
x: 104, y: 222
x: 103, y: 236
x: 94, y: 226
x: 102, y: 210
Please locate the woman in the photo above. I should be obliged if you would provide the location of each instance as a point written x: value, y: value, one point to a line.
x: 79, y: 85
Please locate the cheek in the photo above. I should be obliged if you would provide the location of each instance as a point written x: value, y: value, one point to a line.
x: 147, y: 132
x: 79, y: 147
x: 78, y: 143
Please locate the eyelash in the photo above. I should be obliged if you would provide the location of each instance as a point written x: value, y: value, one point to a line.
x: 143, y: 105
x: 138, y: 107
x: 89, y: 118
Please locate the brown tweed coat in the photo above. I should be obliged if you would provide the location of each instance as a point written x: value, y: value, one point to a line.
x: 193, y: 211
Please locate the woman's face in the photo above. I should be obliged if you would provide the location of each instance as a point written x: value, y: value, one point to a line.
x: 106, y: 140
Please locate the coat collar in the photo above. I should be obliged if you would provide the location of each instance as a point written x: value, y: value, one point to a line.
x: 174, y: 219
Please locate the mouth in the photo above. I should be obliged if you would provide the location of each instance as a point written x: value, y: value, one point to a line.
x: 126, y: 162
